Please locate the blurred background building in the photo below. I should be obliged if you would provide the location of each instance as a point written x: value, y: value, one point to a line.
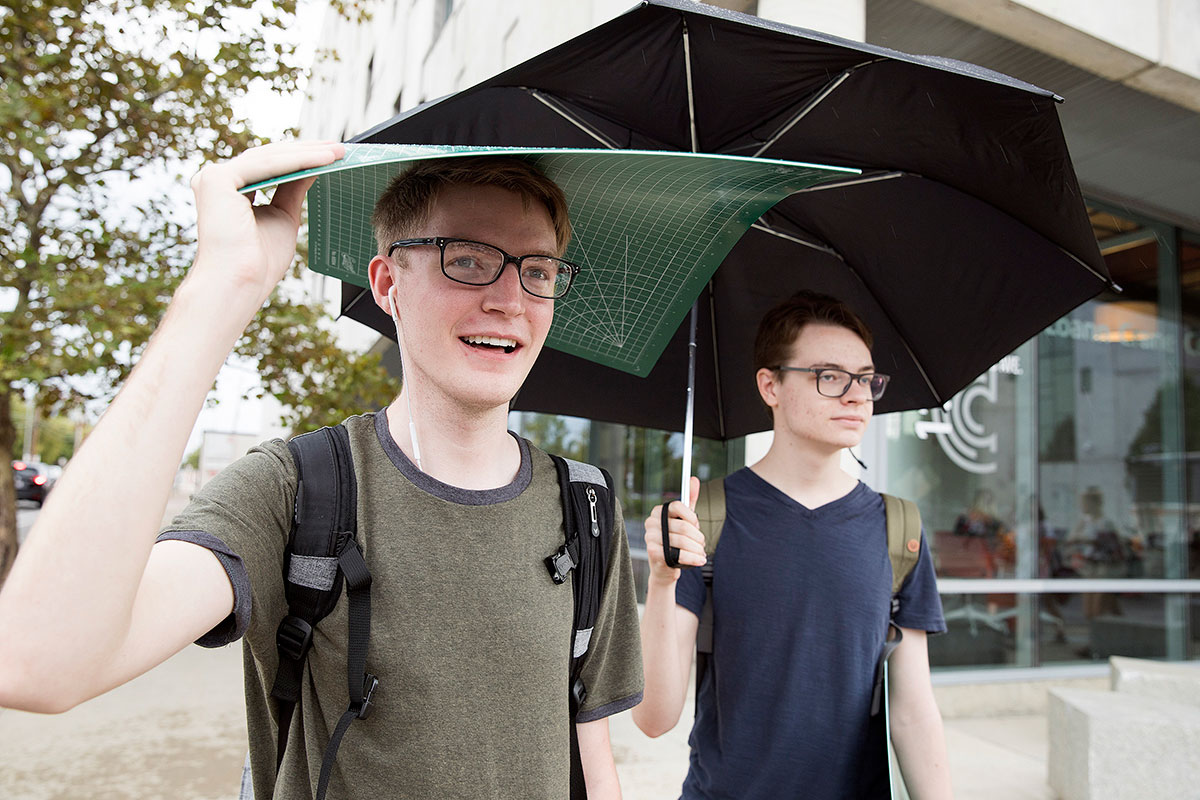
x: 1061, y: 490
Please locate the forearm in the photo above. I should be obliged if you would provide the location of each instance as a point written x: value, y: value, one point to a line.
x: 595, y: 755
x: 920, y: 742
x: 663, y: 661
x: 67, y: 605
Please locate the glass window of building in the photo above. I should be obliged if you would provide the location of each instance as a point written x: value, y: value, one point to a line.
x: 1071, y: 459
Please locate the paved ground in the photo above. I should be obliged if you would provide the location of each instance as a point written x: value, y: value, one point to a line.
x: 26, y: 513
x: 176, y: 732
x: 179, y: 732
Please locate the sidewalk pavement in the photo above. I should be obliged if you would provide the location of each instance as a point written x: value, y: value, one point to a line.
x: 179, y: 732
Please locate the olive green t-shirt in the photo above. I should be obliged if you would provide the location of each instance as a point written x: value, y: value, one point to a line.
x: 470, y: 637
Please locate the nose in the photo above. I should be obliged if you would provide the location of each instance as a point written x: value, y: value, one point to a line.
x: 506, y: 294
x: 857, y: 393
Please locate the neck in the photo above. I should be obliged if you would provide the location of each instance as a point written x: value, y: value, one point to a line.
x: 810, y: 475
x: 467, y: 448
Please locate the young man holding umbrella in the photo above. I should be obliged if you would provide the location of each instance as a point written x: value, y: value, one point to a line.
x: 801, y: 595
x: 470, y: 637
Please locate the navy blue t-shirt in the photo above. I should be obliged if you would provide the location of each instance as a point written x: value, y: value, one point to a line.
x: 801, y: 600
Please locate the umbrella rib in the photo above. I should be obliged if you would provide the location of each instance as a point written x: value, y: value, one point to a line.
x: 888, y: 176
x: 854, y: 272
x: 1109, y: 282
x: 691, y: 97
x: 824, y: 248
x: 353, y: 302
x: 814, y: 102
x: 571, y: 118
x: 881, y: 176
x: 903, y: 339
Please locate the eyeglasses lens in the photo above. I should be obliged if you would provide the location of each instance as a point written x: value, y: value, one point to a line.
x: 836, y: 382
x: 471, y: 262
x: 545, y: 276
x: 479, y: 264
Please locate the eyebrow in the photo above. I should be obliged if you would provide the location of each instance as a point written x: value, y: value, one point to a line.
x: 832, y: 365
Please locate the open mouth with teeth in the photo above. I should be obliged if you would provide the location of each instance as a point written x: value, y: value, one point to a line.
x: 490, y: 343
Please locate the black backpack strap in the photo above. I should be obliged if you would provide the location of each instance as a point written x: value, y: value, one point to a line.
x: 589, y: 512
x: 360, y: 684
x: 322, y: 554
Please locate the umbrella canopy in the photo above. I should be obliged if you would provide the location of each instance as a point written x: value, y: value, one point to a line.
x: 650, y: 229
x: 965, y: 235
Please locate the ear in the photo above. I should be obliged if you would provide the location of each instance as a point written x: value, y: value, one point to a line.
x: 381, y: 279
x: 768, y: 385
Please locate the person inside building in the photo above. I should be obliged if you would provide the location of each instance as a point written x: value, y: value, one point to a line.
x: 469, y: 634
x: 801, y: 595
x: 1098, y: 549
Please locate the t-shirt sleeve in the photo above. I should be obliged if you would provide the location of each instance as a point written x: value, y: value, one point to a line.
x: 234, y: 626
x: 920, y: 604
x: 612, y: 669
x: 244, y: 516
x: 690, y: 591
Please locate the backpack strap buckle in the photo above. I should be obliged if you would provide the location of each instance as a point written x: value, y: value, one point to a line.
x: 560, y: 564
x: 578, y: 693
x: 293, y: 638
x: 363, y: 707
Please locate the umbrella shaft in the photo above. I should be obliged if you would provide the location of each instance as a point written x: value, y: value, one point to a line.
x: 691, y: 404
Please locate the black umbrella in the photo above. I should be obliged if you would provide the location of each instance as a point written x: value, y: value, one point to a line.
x: 965, y: 235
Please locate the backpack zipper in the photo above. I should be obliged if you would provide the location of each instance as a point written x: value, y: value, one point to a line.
x: 591, y: 496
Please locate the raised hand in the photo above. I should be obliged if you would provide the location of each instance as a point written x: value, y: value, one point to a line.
x: 684, y: 533
x: 244, y: 248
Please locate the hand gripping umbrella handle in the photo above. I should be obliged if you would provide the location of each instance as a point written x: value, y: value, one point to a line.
x: 670, y: 554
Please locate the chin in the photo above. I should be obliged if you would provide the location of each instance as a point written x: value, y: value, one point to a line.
x: 487, y: 398
x: 835, y: 443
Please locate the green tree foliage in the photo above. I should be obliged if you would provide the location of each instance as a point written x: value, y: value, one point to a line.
x: 553, y: 434
x: 54, y: 437
x: 94, y: 92
x: 1148, y: 441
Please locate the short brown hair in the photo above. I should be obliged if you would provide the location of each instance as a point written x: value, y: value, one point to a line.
x: 408, y: 200
x: 779, y: 327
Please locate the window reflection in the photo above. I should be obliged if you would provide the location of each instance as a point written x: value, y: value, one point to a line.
x: 1085, y: 626
x: 983, y: 630
x: 1189, y: 272
x: 980, y: 632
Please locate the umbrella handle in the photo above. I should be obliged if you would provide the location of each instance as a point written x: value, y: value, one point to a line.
x: 670, y: 554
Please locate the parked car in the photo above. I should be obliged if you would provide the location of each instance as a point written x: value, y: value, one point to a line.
x: 32, y: 480
x: 53, y: 473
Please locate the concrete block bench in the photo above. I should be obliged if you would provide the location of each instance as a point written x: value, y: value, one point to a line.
x: 1179, y: 683
x: 1140, y: 741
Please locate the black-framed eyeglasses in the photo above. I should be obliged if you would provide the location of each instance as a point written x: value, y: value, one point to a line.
x: 479, y: 264
x: 833, y: 382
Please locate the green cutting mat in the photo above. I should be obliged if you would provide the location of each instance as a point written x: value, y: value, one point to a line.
x: 651, y: 228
